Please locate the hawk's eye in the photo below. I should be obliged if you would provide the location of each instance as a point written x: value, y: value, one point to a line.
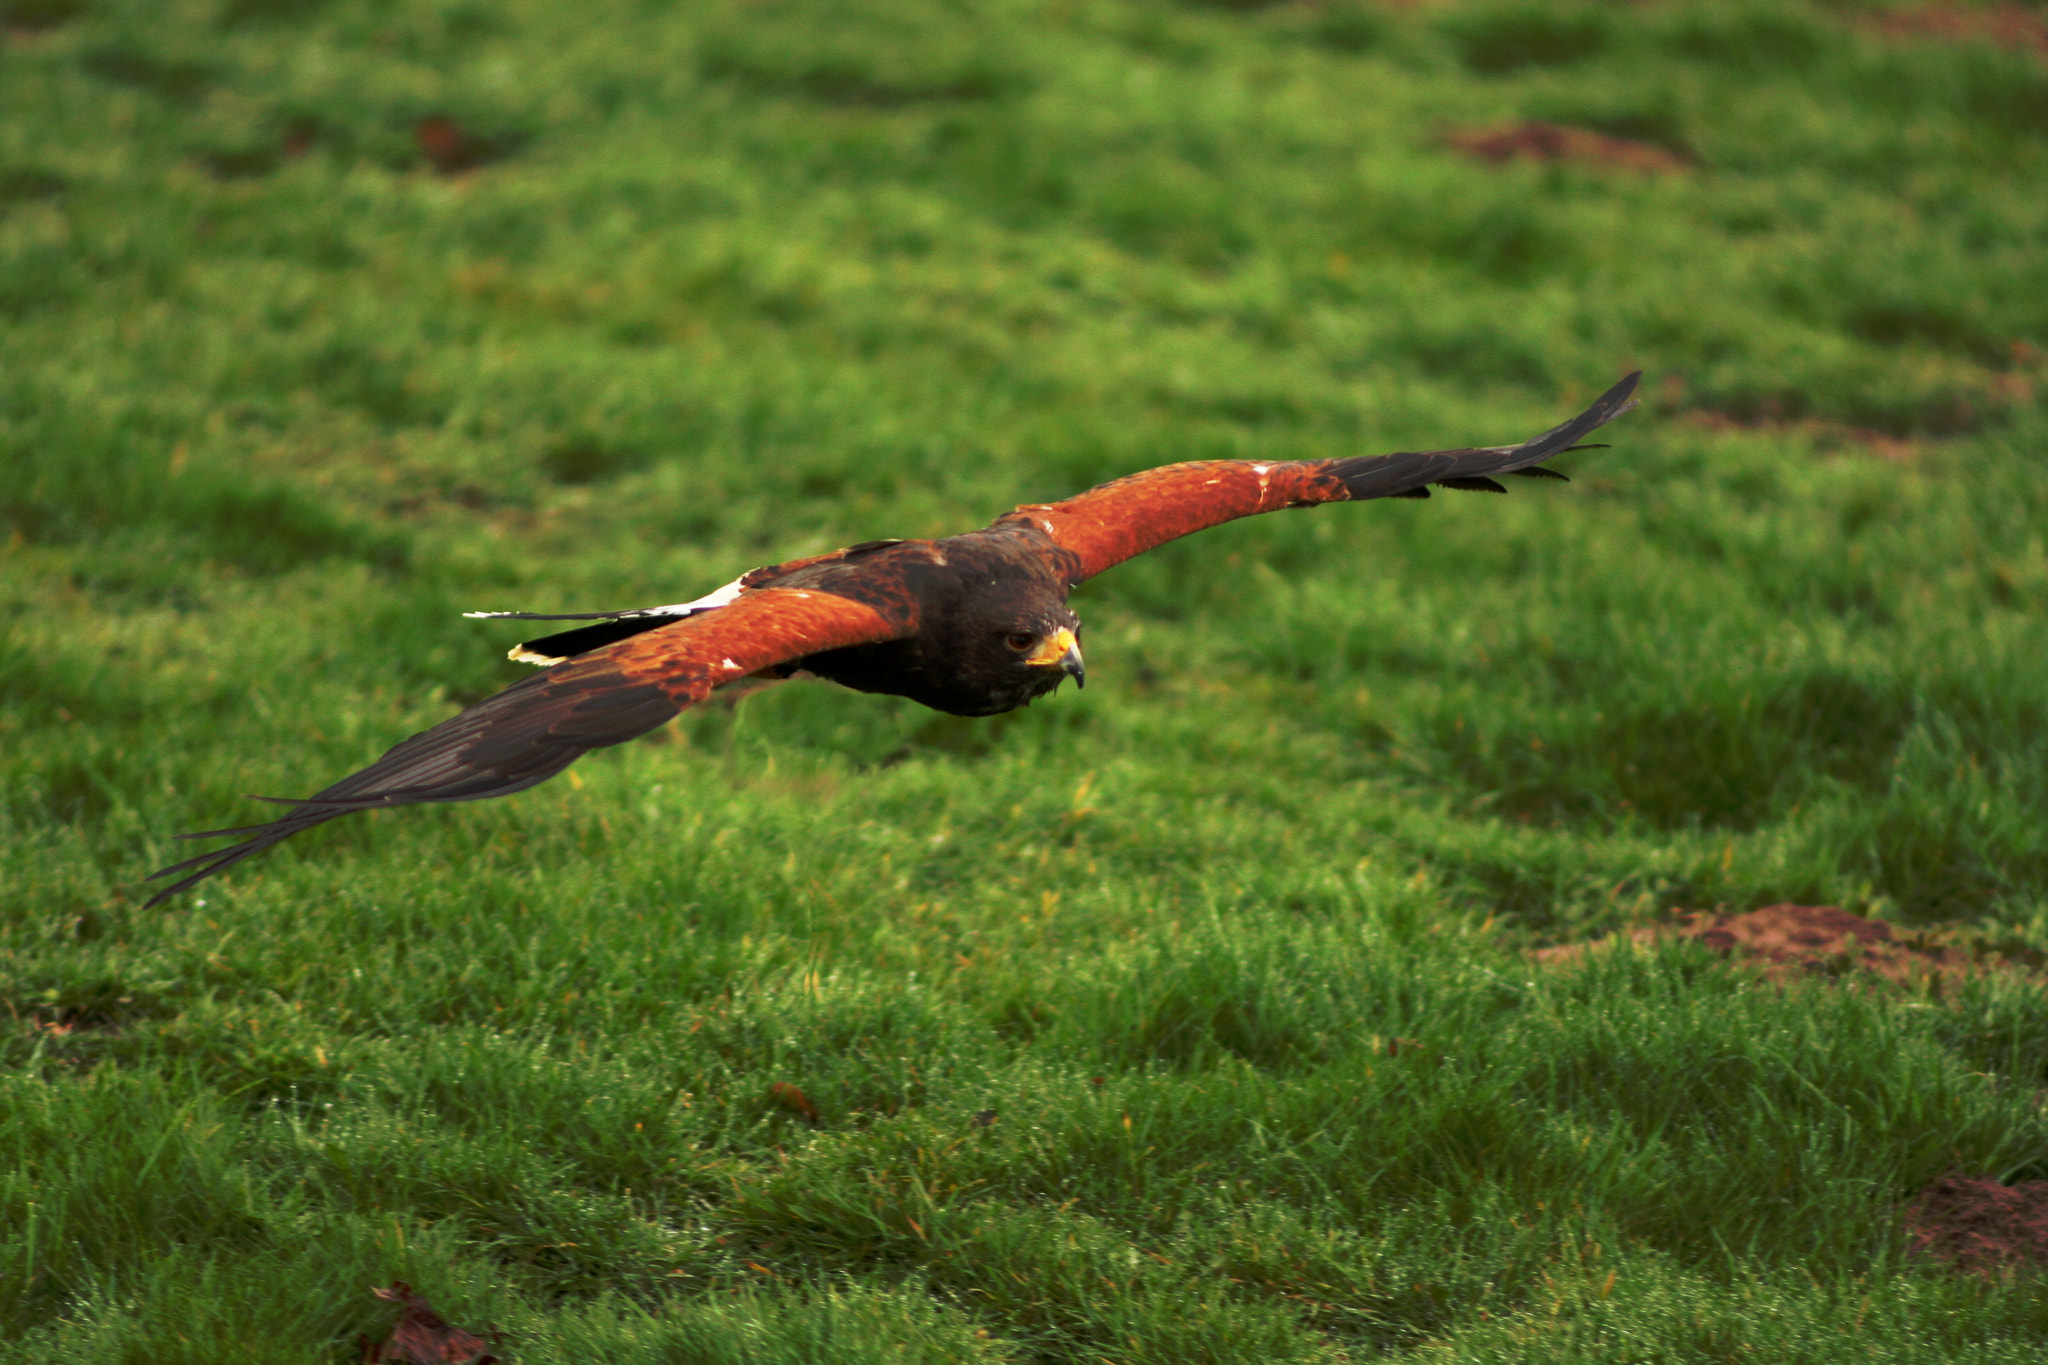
x: 1020, y: 641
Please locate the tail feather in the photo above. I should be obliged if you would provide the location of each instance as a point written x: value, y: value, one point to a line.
x: 220, y: 859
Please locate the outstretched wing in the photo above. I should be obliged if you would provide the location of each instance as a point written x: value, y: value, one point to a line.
x: 1111, y: 523
x: 539, y: 726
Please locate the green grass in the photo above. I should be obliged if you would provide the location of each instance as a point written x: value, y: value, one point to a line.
x: 742, y: 281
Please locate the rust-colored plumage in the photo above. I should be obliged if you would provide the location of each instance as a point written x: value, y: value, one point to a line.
x: 975, y: 624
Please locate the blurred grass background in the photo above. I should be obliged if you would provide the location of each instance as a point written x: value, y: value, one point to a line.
x: 322, y: 321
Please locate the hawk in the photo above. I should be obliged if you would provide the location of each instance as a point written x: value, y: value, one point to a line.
x: 974, y: 624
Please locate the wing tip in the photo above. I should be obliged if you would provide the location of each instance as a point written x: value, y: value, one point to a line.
x: 1623, y: 389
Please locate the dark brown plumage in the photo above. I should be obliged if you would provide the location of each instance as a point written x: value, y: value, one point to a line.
x: 975, y: 624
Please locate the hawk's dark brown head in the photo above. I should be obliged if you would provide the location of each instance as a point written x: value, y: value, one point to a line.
x: 994, y: 628
x: 976, y: 624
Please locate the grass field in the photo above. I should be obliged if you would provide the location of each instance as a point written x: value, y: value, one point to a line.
x: 1186, y: 1019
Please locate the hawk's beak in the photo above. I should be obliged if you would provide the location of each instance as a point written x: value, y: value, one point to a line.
x: 1063, y: 649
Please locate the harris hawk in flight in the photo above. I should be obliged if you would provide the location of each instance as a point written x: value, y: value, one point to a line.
x: 974, y: 624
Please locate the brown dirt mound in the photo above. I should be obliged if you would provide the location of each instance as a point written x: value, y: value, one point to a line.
x: 1560, y: 142
x: 1979, y: 1225
x: 1826, y: 436
x: 1972, y: 1223
x: 1798, y: 940
x: 1792, y: 942
x: 2012, y: 27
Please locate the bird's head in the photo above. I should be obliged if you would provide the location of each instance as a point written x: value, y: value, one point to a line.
x: 1042, y: 651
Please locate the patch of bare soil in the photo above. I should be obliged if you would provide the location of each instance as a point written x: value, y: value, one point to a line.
x: 1803, y: 940
x: 1561, y: 142
x: 1825, y: 435
x: 1796, y: 942
x: 1978, y: 1225
x: 1985, y: 395
x: 1972, y: 1223
x: 2012, y: 27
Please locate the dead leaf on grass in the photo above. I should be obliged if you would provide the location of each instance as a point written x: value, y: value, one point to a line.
x: 452, y: 148
x: 422, y: 1337
x: 796, y: 1102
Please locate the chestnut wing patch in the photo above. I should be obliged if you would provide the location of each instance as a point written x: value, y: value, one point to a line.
x: 1118, y: 520
x: 540, y: 725
x: 614, y: 626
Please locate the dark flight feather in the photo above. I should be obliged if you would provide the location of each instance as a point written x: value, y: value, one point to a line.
x: 540, y: 725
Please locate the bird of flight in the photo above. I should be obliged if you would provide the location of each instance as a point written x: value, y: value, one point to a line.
x: 975, y: 624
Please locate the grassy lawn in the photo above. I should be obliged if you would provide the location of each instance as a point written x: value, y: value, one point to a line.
x: 1190, y: 1018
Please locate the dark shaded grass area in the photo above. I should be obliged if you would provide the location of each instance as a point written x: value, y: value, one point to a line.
x: 322, y: 321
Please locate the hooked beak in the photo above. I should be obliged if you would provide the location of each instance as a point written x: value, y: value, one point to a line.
x: 1063, y: 649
